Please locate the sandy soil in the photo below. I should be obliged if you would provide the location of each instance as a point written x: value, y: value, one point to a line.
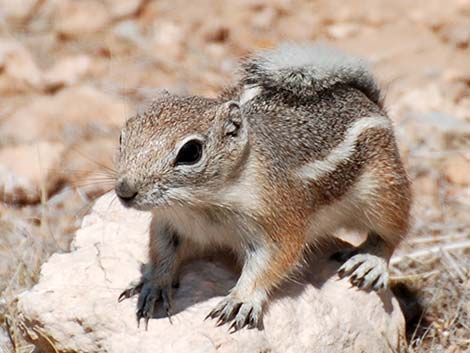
x: 72, y: 71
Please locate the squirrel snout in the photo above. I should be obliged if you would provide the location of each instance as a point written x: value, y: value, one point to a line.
x: 125, y: 189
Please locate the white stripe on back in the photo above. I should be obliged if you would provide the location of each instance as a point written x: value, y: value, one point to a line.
x: 249, y: 93
x: 344, y: 150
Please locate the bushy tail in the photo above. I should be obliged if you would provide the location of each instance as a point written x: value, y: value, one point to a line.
x: 305, y: 70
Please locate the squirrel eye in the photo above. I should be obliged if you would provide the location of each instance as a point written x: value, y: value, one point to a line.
x: 190, y: 153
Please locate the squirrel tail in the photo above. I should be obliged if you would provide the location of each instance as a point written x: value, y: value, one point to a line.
x: 304, y: 70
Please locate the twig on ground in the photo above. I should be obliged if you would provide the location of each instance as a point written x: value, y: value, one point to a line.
x: 435, y: 238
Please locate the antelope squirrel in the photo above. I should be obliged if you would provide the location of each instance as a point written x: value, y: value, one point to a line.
x: 300, y: 147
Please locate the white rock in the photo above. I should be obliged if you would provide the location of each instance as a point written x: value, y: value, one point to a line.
x: 456, y: 168
x: 75, y: 303
x: 67, y: 71
x: 18, y: 70
x: 121, y: 8
x: 130, y: 31
x: 436, y: 132
x: 168, y: 38
x: 16, y: 10
x: 342, y: 30
x: 73, y: 113
x: 433, y: 97
x: 76, y: 18
x: 27, y: 170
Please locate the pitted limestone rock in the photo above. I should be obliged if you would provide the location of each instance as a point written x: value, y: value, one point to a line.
x: 75, y: 305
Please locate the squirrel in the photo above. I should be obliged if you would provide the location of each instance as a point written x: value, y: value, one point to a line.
x: 298, y: 148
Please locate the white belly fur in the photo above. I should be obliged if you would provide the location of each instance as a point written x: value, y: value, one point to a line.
x: 350, y: 212
x: 200, y: 229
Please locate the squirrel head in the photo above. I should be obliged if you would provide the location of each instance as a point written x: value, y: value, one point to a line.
x: 180, y: 151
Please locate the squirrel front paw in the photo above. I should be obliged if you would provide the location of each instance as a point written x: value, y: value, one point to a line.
x: 241, y: 313
x: 150, y: 294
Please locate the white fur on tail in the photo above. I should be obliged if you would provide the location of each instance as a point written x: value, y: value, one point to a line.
x: 308, y: 69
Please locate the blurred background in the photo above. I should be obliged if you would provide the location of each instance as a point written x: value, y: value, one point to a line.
x: 72, y: 71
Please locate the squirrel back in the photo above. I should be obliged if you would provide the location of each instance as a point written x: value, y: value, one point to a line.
x: 303, y: 101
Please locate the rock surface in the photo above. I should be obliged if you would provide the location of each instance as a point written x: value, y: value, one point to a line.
x: 27, y: 170
x: 67, y: 71
x: 75, y: 18
x: 75, y: 306
x: 18, y: 70
x: 73, y: 113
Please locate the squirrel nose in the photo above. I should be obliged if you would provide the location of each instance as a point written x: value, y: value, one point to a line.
x: 125, y: 189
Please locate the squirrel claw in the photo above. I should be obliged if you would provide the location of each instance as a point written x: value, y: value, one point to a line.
x: 133, y: 289
x: 150, y: 294
x: 366, y: 271
x: 241, y: 314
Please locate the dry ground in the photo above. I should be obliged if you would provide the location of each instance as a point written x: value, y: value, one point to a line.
x: 72, y: 71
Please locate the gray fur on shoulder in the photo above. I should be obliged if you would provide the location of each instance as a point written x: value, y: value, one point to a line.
x: 307, y: 69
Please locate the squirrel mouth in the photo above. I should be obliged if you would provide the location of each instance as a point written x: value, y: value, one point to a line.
x: 138, y: 204
x: 126, y: 202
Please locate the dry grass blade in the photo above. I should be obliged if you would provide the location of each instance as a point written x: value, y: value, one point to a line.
x: 430, y: 251
x: 445, y: 298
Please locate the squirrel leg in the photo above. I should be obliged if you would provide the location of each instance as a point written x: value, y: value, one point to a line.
x: 160, y: 274
x: 264, y: 268
x: 367, y: 265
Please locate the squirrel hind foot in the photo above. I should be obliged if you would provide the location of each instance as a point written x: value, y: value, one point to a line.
x: 366, y: 271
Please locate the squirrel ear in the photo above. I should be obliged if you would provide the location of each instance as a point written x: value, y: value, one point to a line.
x: 233, y: 118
